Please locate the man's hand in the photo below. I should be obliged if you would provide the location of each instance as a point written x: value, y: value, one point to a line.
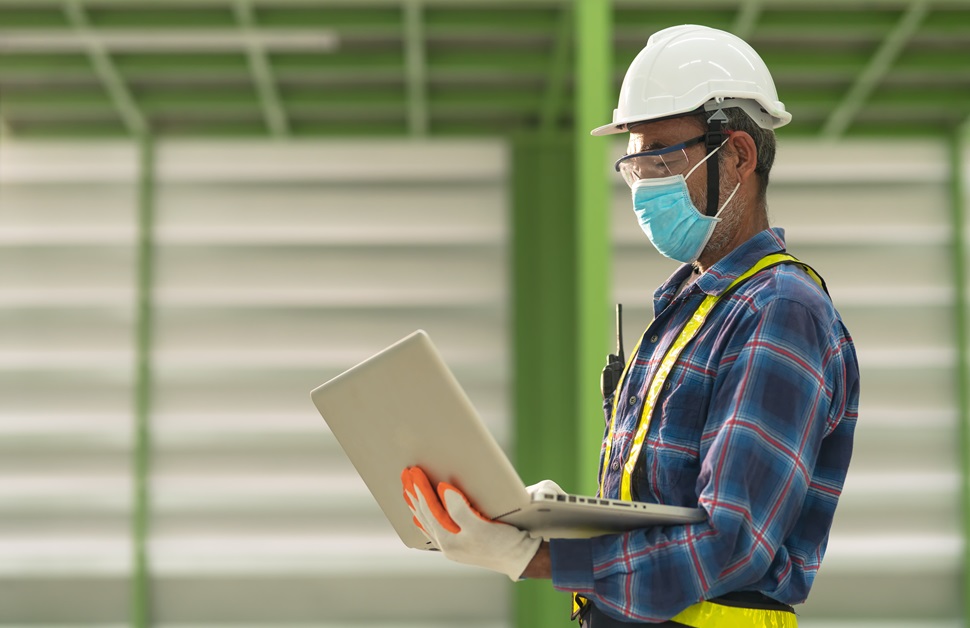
x: 461, y: 532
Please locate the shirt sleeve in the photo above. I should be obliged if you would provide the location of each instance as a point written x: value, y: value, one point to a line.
x: 775, y: 398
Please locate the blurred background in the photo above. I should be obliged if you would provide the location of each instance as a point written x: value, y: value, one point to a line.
x: 209, y: 207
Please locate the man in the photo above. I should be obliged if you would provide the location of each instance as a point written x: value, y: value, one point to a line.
x: 742, y: 394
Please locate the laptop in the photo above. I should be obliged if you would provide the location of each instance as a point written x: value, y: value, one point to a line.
x: 403, y: 407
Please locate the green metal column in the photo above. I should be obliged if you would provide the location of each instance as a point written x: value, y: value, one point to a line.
x: 140, y: 605
x: 962, y: 325
x: 561, y: 312
x: 594, y: 103
x: 544, y: 322
x: 545, y: 318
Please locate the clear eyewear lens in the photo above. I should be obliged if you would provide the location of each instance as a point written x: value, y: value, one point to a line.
x: 638, y: 167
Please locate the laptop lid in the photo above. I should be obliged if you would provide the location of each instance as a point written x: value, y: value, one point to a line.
x: 403, y: 407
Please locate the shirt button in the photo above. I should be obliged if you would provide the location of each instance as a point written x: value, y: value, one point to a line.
x: 615, y: 466
x: 654, y: 338
x: 667, y: 386
x: 633, y: 400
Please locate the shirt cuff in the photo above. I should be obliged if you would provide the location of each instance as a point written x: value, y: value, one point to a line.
x: 572, y: 564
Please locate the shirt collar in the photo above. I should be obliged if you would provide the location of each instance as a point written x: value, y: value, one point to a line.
x: 719, y: 276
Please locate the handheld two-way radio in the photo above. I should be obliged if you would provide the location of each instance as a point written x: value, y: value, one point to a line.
x: 610, y: 377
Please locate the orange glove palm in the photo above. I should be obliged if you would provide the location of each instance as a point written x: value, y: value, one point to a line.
x: 461, y: 532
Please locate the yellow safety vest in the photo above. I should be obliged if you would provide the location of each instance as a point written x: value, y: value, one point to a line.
x: 711, y: 615
x: 704, y: 614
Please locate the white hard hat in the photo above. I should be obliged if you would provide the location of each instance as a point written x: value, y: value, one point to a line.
x: 683, y: 68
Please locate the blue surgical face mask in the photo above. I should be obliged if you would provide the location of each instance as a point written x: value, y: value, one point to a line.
x: 676, y: 227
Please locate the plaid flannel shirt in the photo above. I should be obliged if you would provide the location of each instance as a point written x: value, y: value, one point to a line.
x: 754, y: 425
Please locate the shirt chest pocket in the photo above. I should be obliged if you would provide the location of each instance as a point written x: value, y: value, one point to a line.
x: 672, y: 461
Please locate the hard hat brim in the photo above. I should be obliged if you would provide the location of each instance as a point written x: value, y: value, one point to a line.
x: 773, y: 119
x: 609, y: 129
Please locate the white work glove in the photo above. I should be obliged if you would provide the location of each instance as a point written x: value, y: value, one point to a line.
x: 461, y: 532
x: 545, y: 486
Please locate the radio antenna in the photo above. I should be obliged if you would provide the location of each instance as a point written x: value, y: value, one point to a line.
x: 619, y: 333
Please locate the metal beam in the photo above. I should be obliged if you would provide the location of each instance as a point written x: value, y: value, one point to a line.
x: 162, y: 40
x: 879, y: 65
x: 621, y: 4
x: 555, y: 94
x: 416, y: 68
x: 961, y: 334
x: 747, y: 17
x: 262, y: 73
x: 105, y: 68
x: 141, y: 607
x: 595, y: 95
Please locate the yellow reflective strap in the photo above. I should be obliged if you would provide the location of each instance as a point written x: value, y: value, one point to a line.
x: 703, y: 614
x: 579, y: 603
x: 686, y: 334
x: 711, y: 615
x: 814, y: 275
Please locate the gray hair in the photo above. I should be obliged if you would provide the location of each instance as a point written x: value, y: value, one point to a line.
x: 764, y: 142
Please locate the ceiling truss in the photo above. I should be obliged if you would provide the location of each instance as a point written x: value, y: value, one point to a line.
x: 877, y: 68
x: 747, y: 17
x: 203, y: 40
x: 555, y: 95
x: 293, y: 68
x: 105, y: 68
x: 416, y: 68
x: 262, y: 73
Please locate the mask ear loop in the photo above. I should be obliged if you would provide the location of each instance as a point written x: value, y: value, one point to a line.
x: 706, y: 157
x: 717, y: 210
x: 727, y: 200
x: 712, y: 177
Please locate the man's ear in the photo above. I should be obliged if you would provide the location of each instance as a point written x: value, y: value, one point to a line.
x: 745, y: 155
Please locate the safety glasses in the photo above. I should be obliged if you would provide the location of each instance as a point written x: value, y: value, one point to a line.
x: 653, y: 164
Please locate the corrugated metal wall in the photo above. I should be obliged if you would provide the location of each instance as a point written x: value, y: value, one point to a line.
x: 277, y: 267
x: 280, y: 264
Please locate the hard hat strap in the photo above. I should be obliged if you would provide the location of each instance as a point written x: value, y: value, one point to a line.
x: 713, y: 140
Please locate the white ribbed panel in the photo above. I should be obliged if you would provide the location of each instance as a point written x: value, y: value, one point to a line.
x: 277, y: 267
x: 280, y: 264
x: 873, y: 219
